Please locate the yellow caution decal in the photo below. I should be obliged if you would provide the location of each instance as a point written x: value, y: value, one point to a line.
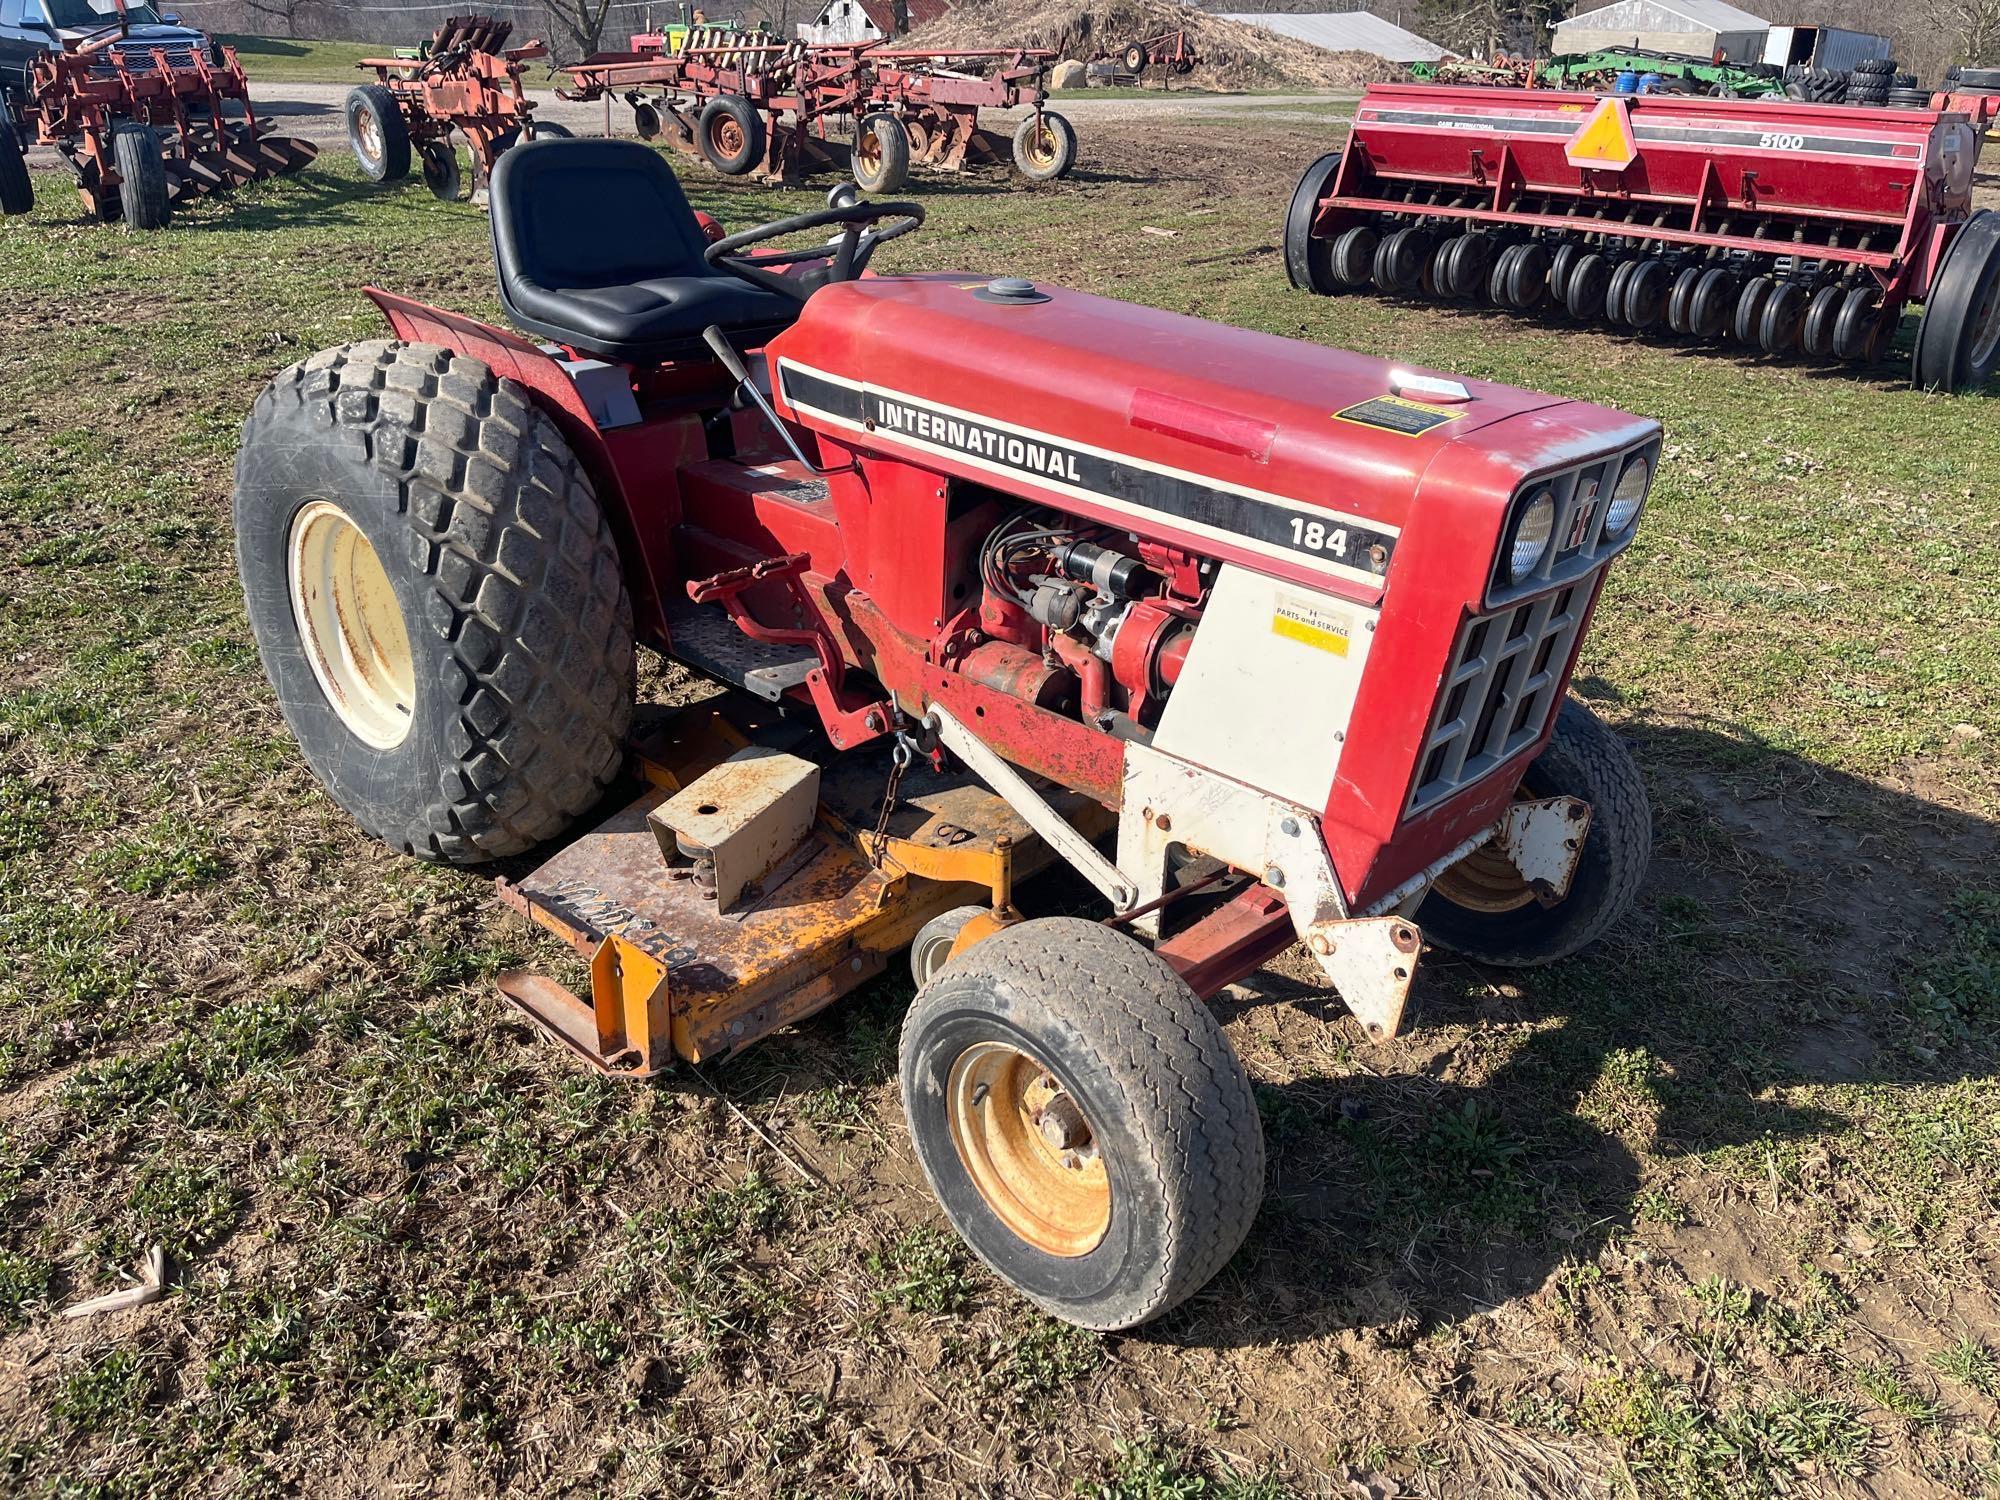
x: 1311, y: 622
x: 1605, y: 139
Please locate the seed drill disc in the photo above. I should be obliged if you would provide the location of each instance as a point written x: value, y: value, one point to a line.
x: 1816, y: 334
x: 1529, y: 276
x: 1714, y: 300
x: 1646, y: 294
x: 1680, y: 302
x: 1852, y: 329
x: 1749, y: 309
x: 1614, y: 296
x: 1589, y: 279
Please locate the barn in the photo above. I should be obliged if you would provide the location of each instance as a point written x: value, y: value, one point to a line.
x: 1684, y: 28
x: 868, y: 20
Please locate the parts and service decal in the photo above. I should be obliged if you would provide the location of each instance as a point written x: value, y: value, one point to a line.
x: 1311, y: 621
x: 1319, y: 537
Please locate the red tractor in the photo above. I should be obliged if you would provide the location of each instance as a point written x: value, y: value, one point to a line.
x: 1267, y: 643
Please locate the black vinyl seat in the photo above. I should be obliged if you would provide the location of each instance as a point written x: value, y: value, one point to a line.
x: 597, y: 249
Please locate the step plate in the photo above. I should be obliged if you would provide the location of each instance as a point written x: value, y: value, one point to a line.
x: 707, y: 639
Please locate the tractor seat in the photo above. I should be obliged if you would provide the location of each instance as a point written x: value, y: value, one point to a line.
x: 597, y: 249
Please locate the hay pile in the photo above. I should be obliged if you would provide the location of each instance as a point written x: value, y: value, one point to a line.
x: 1233, y: 56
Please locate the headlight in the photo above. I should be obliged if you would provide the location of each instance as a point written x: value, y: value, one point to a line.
x: 1530, y: 540
x: 1627, y: 498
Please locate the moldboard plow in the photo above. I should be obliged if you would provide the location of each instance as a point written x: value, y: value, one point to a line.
x: 1788, y: 227
x: 145, y: 126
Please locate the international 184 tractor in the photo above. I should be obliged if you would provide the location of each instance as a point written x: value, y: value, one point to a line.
x: 1269, y: 644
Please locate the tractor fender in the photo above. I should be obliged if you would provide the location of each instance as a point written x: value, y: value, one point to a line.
x: 608, y: 455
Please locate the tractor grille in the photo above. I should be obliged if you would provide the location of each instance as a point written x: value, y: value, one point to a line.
x: 1500, y: 689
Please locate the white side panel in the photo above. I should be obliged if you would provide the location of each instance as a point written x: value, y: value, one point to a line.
x: 1269, y: 685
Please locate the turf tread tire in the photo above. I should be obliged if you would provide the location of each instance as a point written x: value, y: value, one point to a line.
x: 1582, y: 759
x: 521, y: 605
x: 1156, y: 1049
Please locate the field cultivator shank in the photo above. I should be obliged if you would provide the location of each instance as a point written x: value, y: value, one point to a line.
x: 1784, y: 226
x: 144, y: 128
x: 467, y: 79
x: 784, y: 110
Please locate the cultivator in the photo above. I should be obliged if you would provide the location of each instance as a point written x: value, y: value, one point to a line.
x: 785, y: 110
x: 1787, y: 227
x: 146, y: 127
x: 466, y: 79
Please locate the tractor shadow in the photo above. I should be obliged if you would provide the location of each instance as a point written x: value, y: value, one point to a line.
x: 1784, y: 937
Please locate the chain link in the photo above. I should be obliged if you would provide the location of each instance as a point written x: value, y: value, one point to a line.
x: 899, y: 762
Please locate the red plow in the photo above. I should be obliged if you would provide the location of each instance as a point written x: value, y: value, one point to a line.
x: 1791, y: 228
x: 144, y: 127
x: 784, y: 110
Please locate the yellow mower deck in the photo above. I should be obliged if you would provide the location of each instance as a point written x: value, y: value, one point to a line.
x: 671, y: 973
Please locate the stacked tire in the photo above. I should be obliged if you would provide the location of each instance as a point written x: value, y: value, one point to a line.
x: 1871, y: 82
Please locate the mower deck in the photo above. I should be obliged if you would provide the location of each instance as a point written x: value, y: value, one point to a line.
x: 673, y: 974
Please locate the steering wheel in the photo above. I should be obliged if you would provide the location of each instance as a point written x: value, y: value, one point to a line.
x: 847, y: 255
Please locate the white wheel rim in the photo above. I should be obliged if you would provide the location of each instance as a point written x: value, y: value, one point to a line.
x: 351, y: 625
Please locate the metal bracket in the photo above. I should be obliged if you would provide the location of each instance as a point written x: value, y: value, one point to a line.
x: 1544, y: 841
x: 987, y: 765
x: 1372, y: 962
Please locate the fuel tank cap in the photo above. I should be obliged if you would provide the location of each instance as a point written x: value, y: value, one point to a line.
x: 1011, y: 290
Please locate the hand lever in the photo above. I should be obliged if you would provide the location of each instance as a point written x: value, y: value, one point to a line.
x: 721, y: 348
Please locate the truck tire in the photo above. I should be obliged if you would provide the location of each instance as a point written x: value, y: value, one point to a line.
x: 881, y: 155
x: 1958, y: 340
x: 732, y: 134
x: 1082, y: 1120
x: 1045, y: 147
x: 142, y: 177
x: 1309, y: 261
x: 17, y: 189
x: 377, y: 134
x: 1483, y: 910
x: 436, y: 597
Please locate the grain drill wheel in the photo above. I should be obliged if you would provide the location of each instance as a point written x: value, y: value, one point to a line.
x: 1680, y: 300
x: 1746, y: 319
x: 1783, y: 316
x: 1400, y: 260
x: 1560, y: 264
x: 17, y: 189
x: 1045, y: 147
x: 1614, y: 295
x: 1309, y: 260
x: 1527, y: 275
x: 731, y: 133
x: 1082, y: 1120
x: 142, y: 177
x: 441, y: 171
x: 1585, y: 287
x: 377, y: 133
x: 1713, y: 302
x: 1646, y: 295
x: 1958, y: 340
x: 1854, y: 337
x: 1822, y: 314
x: 881, y: 154
x: 1354, y: 254
x: 447, y: 630
x: 1482, y: 909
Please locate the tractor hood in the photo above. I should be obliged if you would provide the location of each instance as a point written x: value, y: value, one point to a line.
x: 1299, y: 459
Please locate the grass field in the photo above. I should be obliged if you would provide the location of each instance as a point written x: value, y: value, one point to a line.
x: 1707, y: 1212
x: 276, y: 59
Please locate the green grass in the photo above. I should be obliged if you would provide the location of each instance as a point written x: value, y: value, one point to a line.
x: 275, y: 59
x: 1662, y: 1211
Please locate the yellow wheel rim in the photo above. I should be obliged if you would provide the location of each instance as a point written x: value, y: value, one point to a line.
x: 1486, y: 880
x: 1028, y: 1149
x: 351, y: 625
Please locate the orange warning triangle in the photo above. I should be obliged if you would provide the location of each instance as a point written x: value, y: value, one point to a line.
x: 1605, y: 139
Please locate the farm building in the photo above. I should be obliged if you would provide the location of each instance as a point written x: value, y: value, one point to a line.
x: 1685, y: 28
x: 1347, y: 31
x: 868, y: 20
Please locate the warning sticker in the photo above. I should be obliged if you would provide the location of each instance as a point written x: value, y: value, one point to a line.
x: 1394, y: 414
x: 1605, y: 139
x: 1312, y: 622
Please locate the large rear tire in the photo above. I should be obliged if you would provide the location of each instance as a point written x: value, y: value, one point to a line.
x: 1082, y: 1120
x: 142, y: 177
x: 1482, y: 909
x: 1958, y: 339
x: 436, y: 597
x: 377, y: 134
x: 17, y: 189
x: 1309, y: 260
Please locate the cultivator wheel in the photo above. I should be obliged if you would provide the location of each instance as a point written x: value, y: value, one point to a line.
x: 1045, y: 147
x: 442, y: 174
x: 378, y: 134
x: 731, y: 134
x: 17, y: 189
x: 143, y: 200
x: 881, y: 155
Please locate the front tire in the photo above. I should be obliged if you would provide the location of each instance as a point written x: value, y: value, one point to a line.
x: 436, y: 597
x: 1481, y: 908
x: 1082, y: 1120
